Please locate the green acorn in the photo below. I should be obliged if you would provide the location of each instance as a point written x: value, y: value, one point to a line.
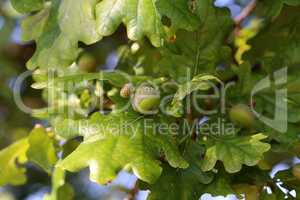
x: 87, y: 63
x: 296, y: 171
x: 146, y: 99
x: 242, y: 115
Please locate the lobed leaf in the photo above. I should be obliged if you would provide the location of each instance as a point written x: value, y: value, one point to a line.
x: 27, y: 6
x: 140, y: 17
x: 234, y: 152
x: 58, y: 33
x: 41, y: 150
x: 10, y: 171
x: 180, y: 14
x: 200, y: 82
x: 119, y: 141
x: 183, y: 184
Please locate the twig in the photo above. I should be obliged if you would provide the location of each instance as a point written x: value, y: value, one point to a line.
x: 133, y: 192
x: 245, y: 12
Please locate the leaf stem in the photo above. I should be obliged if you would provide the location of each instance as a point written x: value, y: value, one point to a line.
x: 132, y: 193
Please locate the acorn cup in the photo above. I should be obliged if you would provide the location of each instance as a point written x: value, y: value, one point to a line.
x: 146, y: 99
x: 126, y: 90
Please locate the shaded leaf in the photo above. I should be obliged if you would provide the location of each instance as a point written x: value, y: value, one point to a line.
x: 26, y: 6
x: 220, y: 186
x: 270, y: 10
x: 179, y: 13
x: 60, y: 189
x: 288, y: 179
x: 251, y: 192
x: 203, y: 49
x: 183, y: 184
x: 276, y: 45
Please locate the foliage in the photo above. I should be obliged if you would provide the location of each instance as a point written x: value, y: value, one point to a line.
x: 190, y: 56
x: 246, y: 151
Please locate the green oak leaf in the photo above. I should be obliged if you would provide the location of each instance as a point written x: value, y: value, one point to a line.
x: 27, y: 6
x: 220, y: 186
x: 247, y: 79
x: 141, y: 18
x: 121, y: 140
x: 179, y: 13
x: 183, y: 184
x: 10, y: 172
x: 41, y: 149
x: 57, y: 34
x: 59, y: 106
x: 32, y: 26
x: 292, y: 2
x: 209, y: 49
x: 177, y: 184
x: 66, y: 127
x: 60, y: 189
x: 115, y: 78
x: 193, y: 52
x: 288, y: 179
x: 277, y: 45
x: 200, y: 82
x: 271, y: 10
x: 266, y: 196
x: 235, y: 151
x: 250, y: 192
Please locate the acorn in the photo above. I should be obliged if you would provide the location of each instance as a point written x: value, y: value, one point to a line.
x: 87, y: 63
x: 296, y: 171
x: 172, y: 39
x: 242, y: 115
x: 146, y: 99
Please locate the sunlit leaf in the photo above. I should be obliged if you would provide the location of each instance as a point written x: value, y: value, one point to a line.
x: 119, y: 141
x: 140, y: 17
x: 57, y: 42
x: 11, y: 159
x: 199, y: 82
x: 234, y: 152
x: 41, y: 150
